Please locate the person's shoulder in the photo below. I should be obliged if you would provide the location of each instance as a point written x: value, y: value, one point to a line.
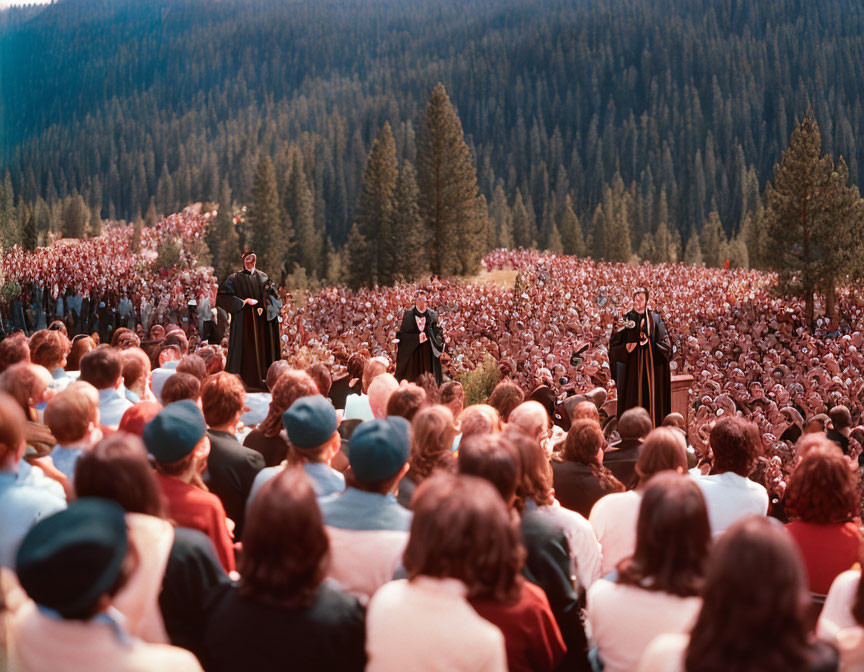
x: 391, y: 593
x: 613, y: 502
x: 144, y: 657
x: 665, y: 653
x: 22, y: 495
x: 336, y: 603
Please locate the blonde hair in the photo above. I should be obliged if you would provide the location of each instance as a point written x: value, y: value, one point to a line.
x: 70, y: 412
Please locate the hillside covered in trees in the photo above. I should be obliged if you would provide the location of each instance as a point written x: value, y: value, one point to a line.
x: 658, y: 118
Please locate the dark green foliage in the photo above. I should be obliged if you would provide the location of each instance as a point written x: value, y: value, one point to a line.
x: 572, y: 240
x: 358, y: 256
x: 27, y: 222
x: 404, y: 243
x: 75, y: 217
x: 150, y: 217
x: 299, y: 206
x: 269, y: 229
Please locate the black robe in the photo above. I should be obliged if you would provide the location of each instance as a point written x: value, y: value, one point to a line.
x: 253, y: 344
x: 643, y: 377
x: 414, y: 358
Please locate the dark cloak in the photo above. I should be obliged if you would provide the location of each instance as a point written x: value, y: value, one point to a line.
x: 643, y: 377
x: 414, y: 358
x: 253, y: 344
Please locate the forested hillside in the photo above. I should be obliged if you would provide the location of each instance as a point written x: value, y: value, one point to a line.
x: 665, y: 110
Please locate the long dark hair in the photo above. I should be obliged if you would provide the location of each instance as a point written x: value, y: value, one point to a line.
x: 672, y: 538
x: 754, y: 604
x: 584, y: 439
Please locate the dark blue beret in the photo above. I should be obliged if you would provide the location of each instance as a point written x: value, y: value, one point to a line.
x: 175, y: 431
x: 379, y: 448
x: 310, y: 422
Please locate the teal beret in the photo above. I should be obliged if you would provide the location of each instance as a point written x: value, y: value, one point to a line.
x: 175, y: 431
x: 310, y: 422
x: 69, y: 560
x: 379, y: 448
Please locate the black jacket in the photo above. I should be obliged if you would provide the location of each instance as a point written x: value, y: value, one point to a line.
x: 231, y: 468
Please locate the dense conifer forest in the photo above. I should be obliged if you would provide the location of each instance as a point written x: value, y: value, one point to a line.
x: 609, y: 127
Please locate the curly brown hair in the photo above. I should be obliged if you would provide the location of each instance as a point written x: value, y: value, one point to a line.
x: 291, y: 386
x: 505, y: 397
x: 432, y: 434
x: 823, y: 489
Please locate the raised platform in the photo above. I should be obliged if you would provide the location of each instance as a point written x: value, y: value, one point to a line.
x: 680, y: 397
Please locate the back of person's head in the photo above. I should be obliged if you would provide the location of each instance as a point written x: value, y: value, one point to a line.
x: 585, y: 410
x: 479, y: 419
x: 531, y: 417
x: 102, y: 367
x: 117, y: 468
x: 14, y: 349
x: 493, y: 457
x: 26, y: 383
x: 49, y: 351
x: 664, y: 449
x: 823, y: 489
x: 379, y: 391
x: 157, y: 332
x: 58, y: 325
x: 223, y: 398
x: 583, y: 442
x: 535, y: 485
x: 73, y: 413
x: 432, y: 435
x: 11, y: 429
x: 291, y: 386
x: 674, y: 420
x: 452, y: 395
x: 180, y: 386
x: 735, y: 444
x: 179, y: 339
x: 754, y: 603
x: 136, y: 366
x: 321, y: 375
x: 462, y: 530
x: 193, y: 365
x: 371, y: 370
x: 841, y: 418
x: 124, y: 338
x: 285, y: 546
x: 81, y: 345
x: 274, y: 373
x: 406, y: 400
x: 167, y: 353
x: 356, y: 364
x: 505, y: 397
x: 672, y: 537
x: 635, y: 423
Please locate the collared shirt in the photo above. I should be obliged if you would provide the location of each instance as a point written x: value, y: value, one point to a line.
x: 110, y: 617
x: 160, y: 375
x: 729, y: 496
x: 66, y: 457
x: 112, y: 405
x: 324, y: 480
x: 359, y: 510
x: 21, y: 507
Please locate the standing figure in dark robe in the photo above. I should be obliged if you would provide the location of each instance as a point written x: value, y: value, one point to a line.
x: 253, y: 345
x: 421, y: 342
x: 639, y: 353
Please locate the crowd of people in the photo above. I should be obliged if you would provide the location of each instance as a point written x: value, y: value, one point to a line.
x: 154, y: 514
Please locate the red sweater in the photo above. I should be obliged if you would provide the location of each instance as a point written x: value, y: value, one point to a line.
x: 197, y: 509
x: 827, y: 550
x: 531, y: 635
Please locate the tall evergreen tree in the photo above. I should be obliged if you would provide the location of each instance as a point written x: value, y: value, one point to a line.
x: 75, y: 216
x: 300, y: 207
x: 448, y: 187
x: 8, y: 221
x: 150, y: 217
x: 713, y: 241
x: 572, y: 240
x: 502, y: 218
x: 359, y: 259
x: 693, y: 251
x: 404, y: 249
x: 27, y: 226
x: 135, y: 239
x: 523, y: 224
x: 269, y: 229
x: 663, y: 245
x: 375, y: 203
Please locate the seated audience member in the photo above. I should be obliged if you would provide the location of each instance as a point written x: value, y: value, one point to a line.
x: 584, y: 410
x: 426, y: 622
x: 432, y: 433
x: 478, y: 419
x: 29, y: 385
x: 753, y: 615
x: 51, y: 351
x: 167, y: 360
x: 350, y: 383
x: 193, y: 365
x: 137, y: 416
x: 822, y: 501
x: 620, y: 458
x: 532, y: 418
x: 657, y: 590
x: 168, y: 589
x: 841, y: 427
x: 136, y: 375
x: 535, y: 493
x: 505, y: 397
x: 357, y: 405
x: 259, y: 402
x: 311, y: 426
x: 265, y: 438
x: 21, y: 505
x: 103, y: 369
x: 181, y: 386
x: 380, y: 390
x: 124, y: 338
x: 13, y: 350
x: 231, y: 468
x: 72, y: 415
x: 283, y: 615
x: 729, y: 494
x: 80, y: 346
x: 405, y: 401
x: 367, y: 527
x: 72, y: 565
x: 614, y: 516
x: 548, y: 562
x: 321, y: 375
x: 177, y: 440
x: 452, y: 395
x: 580, y: 478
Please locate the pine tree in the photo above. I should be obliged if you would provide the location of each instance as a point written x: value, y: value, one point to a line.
x: 502, y: 218
x: 599, y: 234
x: 75, y: 216
x: 404, y: 248
x: 359, y: 258
x: 554, y: 244
x: 448, y: 187
x: 8, y: 222
x: 150, y: 217
x: 300, y: 207
x: 135, y: 240
x: 713, y: 241
x: 693, y: 252
x: 27, y: 226
x: 269, y: 229
x: 663, y: 245
x: 216, y: 231
x: 523, y: 224
x: 572, y: 240
x: 94, y: 222
x: 375, y: 203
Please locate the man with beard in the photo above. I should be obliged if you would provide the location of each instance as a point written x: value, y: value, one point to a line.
x: 421, y: 342
x: 251, y: 300
x: 639, y: 353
